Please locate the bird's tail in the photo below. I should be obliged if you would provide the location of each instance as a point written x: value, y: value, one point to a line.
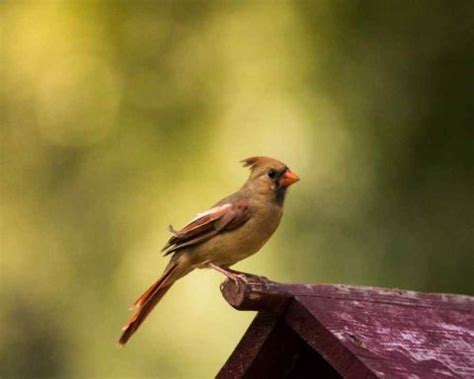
x: 146, y: 302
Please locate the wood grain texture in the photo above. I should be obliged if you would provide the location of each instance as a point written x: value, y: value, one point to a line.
x: 366, y: 332
x: 250, y: 347
x: 257, y: 293
x: 271, y: 349
x: 397, y: 340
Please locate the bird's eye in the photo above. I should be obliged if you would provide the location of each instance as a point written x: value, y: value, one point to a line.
x: 271, y: 174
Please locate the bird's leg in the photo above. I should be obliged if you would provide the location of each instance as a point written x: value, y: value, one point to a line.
x: 244, y: 274
x: 235, y: 276
x: 234, y: 271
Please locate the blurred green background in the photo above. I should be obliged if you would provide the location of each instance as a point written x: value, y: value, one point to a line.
x: 118, y: 118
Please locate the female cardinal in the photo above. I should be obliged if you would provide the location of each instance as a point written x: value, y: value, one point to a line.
x: 235, y: 228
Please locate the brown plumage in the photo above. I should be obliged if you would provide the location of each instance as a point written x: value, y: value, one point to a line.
x: 233, y: 229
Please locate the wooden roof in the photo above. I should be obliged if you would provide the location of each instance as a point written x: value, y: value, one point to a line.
x: 354, y: 332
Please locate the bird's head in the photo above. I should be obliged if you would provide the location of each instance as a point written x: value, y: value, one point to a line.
x: 269, y: 176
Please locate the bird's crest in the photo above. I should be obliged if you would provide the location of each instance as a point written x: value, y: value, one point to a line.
x: 257, y: 161
x: 250, y: 162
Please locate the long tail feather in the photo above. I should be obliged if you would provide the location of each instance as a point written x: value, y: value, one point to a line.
x: 146, y: 303
x: 146, y: 295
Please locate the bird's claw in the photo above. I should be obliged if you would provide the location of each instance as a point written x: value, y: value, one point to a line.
x: 238, y: 279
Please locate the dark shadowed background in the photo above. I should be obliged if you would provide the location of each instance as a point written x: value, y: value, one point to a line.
x: 118, y: 118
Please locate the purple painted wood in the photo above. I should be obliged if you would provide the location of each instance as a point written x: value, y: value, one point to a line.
x: 249, y: 347
x: 271, y: 349
x: 325, y: 343
x: 257, y: 293
x: 369, y: 332
x: 395, y: 339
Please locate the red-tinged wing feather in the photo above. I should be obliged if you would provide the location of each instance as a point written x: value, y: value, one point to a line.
x: 199, y: 223
x: 208, y: 224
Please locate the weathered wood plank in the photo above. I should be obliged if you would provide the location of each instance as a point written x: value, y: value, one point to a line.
x: 323, y: 341
x: 259, y: 293
x: 271, y: 349
x: 249, y: 347
x: 366, y: 332
x: 256, y: 293
x: 399, y: 340
x: 383, y: 295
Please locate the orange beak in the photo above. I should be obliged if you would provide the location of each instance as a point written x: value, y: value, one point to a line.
x: 288, y: 178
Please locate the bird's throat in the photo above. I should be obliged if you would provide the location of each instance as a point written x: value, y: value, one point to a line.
x: 280, y: 193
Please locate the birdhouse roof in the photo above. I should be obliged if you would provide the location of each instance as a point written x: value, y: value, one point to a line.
x: 357, y: 332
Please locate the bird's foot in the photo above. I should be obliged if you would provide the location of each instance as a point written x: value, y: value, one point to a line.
x: 246, y: 275
x: 239, y: 278
x: 236, y: 276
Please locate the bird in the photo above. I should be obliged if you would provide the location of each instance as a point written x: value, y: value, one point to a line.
x: 233, y: 229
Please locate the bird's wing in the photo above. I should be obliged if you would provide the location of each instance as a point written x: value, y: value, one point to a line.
x: 204, y: 226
